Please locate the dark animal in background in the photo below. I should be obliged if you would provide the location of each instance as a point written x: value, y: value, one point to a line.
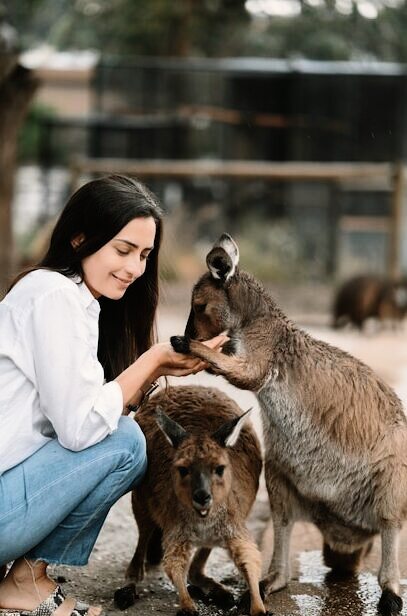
x: 370, y: 296
x: 335, y: 434
x: 201, y: 482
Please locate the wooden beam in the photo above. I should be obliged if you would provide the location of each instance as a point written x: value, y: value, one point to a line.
x: 365, y: 224
x: 239, y: 169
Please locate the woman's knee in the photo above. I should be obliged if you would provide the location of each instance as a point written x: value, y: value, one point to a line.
x: 131, y: 440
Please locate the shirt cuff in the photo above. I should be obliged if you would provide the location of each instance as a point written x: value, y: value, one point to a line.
x: 109, y: 404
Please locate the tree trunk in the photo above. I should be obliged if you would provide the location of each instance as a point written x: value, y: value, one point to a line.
x: 17, y: 87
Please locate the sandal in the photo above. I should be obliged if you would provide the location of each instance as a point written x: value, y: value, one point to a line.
x: 48, y: 607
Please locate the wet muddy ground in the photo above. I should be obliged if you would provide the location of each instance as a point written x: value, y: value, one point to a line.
x: 312, y: 591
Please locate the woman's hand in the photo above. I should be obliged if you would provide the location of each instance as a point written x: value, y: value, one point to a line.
x: 160, y: 360
x: 170, y: 363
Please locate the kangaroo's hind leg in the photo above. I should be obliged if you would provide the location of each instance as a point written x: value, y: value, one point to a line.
x: 154, y: 553
x: 217, y: 592
x: 147, y: 529
x: 389, y: 575
x: 284, y: 507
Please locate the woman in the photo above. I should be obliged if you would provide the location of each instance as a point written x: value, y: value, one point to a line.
x: 76, y: 349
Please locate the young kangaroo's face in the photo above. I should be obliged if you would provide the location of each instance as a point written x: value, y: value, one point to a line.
x: 201, y: 471
x: 210, y: 313
x: 201, y: 474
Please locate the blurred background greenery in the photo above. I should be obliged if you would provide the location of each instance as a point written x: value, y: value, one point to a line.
x: 314, y: 29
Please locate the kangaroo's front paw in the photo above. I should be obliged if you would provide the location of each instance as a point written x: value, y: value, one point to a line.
x: 185, y: 611
x: 180, y: 344
x: 390, y: 603
x: 125, y: 597
x: 273, y: 582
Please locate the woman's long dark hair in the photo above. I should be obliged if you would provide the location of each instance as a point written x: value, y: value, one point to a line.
x: 98, y: 211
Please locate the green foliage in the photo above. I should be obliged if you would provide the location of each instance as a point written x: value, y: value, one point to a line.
x: 322, y: 33
x: 33, y: 19
x: 211, y: 28
x: 144, y: 27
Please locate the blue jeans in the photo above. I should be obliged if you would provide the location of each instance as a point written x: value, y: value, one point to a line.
x: 53, y: 505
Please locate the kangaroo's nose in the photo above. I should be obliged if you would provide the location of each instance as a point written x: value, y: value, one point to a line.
x: 202, y: 497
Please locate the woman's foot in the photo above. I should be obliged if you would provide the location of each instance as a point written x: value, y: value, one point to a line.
x: 27, y: 584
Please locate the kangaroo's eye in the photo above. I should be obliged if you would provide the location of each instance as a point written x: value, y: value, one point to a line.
x: 219, y: 470
x: 199, y: 308
x: 183, y: 471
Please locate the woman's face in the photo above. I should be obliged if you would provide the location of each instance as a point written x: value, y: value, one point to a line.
x: 112, y: 269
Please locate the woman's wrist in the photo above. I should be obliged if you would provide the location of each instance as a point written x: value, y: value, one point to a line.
x: 156, y: 360
x: 137, y: 378
x: 146, y: 391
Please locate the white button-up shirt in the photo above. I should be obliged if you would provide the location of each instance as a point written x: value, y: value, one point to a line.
x: 51, y: 382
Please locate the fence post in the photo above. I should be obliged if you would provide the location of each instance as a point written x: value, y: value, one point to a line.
x: 395, y: 220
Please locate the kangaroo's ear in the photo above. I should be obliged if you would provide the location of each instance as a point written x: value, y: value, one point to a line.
x: 173, y: 432
x: 228, y: 433
x: 223, y: 258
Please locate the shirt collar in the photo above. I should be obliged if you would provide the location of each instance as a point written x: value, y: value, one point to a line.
x: 88, y: 300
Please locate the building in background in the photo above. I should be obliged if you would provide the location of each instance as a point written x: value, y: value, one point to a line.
x: 66, y: 79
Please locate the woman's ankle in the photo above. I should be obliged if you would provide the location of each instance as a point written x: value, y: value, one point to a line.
x: 23, y: 570
x: 25, y: 586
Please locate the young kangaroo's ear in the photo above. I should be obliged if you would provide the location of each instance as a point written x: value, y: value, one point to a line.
x: 223, y: 258
x: 173, y: 432
x: 228, y: 433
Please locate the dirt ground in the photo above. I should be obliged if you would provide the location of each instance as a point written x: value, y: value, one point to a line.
x: 312, y: 592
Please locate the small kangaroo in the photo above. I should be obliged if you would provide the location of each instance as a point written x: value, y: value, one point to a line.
x: 202, y: 478
x: 335, y: 434
x: 363, y: 297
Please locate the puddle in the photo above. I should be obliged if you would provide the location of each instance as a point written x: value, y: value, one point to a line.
x: 308, y: 605
x: 354, y: 596
x: 311, y: 568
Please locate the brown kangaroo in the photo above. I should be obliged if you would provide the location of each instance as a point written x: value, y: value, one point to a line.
x: 200, y: 485
x: 335, y: 434
x: 363, y: 297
